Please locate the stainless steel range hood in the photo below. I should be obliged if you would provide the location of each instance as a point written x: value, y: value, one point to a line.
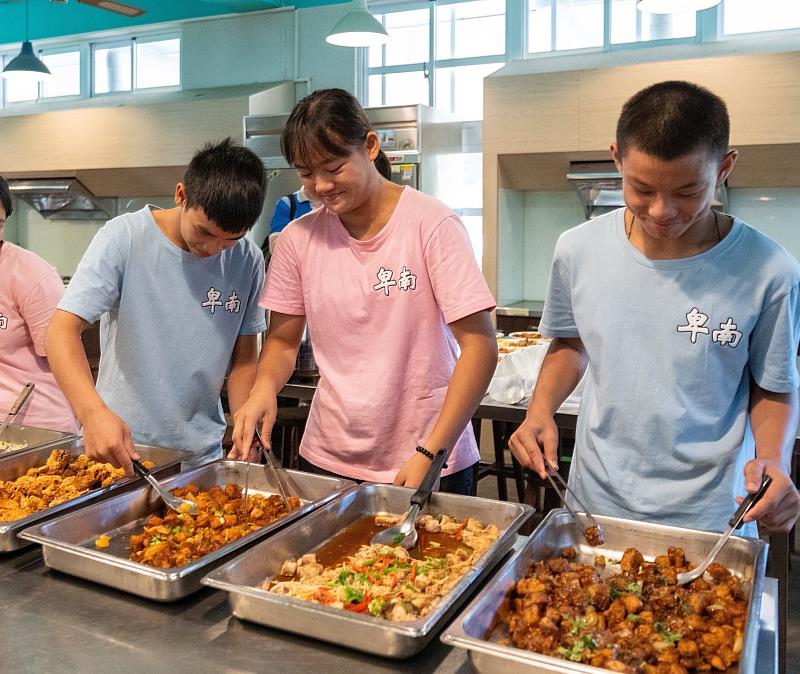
x: 599, y: 186
x: 59, y: 198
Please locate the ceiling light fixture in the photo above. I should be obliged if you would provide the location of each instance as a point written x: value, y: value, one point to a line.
x: 674, y: 6
x: 358, y: 28
x: 26, y: 65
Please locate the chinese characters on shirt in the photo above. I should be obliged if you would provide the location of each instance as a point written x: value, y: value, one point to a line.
x: 232, y: 305
x: 696, y: 320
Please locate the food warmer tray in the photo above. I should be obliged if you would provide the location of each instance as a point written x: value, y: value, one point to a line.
x: 31, y: 437
x: 474, y: 628
x: 68, y: 542
x: 242, y: 576
x: 16, y: 464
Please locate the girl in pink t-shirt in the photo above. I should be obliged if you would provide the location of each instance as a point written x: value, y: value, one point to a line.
x: 396, y: 306
x: 29, y: 292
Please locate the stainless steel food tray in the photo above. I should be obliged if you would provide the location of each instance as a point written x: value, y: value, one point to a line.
x: 16, y: 464
x: 31, y: 437
x: 68, y: 542
x: 242, y: 576
x: 474, y: 628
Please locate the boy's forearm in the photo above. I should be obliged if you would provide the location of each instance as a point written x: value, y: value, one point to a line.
x: 242, y: 375
x: 67, y: 359
x: 773, y: 419
x: 561, y: 372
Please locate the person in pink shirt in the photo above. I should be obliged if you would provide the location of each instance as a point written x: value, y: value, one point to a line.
x: 30, y: 289
x: 397, y: 310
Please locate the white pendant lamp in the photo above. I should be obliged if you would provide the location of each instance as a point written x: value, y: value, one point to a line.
x: 674, y: 6
x: 26, y: 65
x: 358, y: 28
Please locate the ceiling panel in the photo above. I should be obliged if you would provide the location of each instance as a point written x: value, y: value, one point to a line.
x: 56, y: 19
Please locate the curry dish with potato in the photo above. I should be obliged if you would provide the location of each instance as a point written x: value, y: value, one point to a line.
x: 173, y: 539
x: 637, y: 621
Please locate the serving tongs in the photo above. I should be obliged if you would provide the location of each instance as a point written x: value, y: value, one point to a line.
x: 594, y: 535
x: 17, y: 406
x: 733, y: 523
x: 180, y: 505
x: 405, y: 533
x: 267, y: 464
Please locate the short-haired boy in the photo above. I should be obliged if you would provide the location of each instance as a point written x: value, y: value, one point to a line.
x: 176, y: 291
x: 688, y: 321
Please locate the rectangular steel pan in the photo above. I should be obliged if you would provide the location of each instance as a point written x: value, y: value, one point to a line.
x: 473, y: 629
x: 68, y: 542
x: 242, y: 576
x: 16, y: 464
x: 31, y: 437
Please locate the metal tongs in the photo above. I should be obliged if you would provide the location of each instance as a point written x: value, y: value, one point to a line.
x: 594, y: 535
x: 405, y: 533
x: 180, y: 505
x: 733, y: 523
x: 260, y: 451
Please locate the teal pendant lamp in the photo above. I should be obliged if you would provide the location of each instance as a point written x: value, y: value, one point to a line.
x: 26, y: 65
x: 674, y: 6
x: 358, y: 28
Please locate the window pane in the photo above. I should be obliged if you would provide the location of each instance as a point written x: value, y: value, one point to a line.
x: 540, y: 28
x: 375, y: 90
x: 19, y: 89
x: 471, y: 29
x: 460, y: 90
x: 746, y: 16
x: 112, y: 69
x: 66, y: 70
x: 158, y: 64
x: 402, y: 88
x: 630, y: 25
x: 409, y: 41
x: 579, y: 24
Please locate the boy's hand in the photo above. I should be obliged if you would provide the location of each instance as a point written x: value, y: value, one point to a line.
x: 535, y: 441
x: 259, y: 409
x: 779, y: 508
x: 107, y: 438
x: 412, y: 472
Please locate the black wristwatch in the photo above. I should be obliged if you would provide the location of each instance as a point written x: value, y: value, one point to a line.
x: 430, y: 455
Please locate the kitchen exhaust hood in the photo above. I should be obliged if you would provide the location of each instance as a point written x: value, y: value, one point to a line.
x: 59, y: 198
x: 599, y: 186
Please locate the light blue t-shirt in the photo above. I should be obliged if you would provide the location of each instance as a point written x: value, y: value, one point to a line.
x: 663, y: 431
x: 168, y: 324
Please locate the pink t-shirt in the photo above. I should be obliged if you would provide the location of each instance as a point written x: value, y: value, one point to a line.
x: 30, y: 289
x: 377, y: 313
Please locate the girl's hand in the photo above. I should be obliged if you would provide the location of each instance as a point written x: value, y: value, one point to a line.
x: 412, y: 472
x: 259, y: 409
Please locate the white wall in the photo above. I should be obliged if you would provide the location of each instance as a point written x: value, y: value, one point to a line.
x: 325, y: 64
x: 238, y: 50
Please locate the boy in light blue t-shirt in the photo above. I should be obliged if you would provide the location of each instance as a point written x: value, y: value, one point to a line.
x: 176, y: 292
x: 688, y: 321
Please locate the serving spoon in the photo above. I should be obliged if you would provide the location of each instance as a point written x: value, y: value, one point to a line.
x: 180, y: 505
x: 733, y: 523
x: 405, y: 533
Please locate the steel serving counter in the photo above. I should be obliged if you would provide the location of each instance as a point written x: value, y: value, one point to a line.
x: 54, y: 622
